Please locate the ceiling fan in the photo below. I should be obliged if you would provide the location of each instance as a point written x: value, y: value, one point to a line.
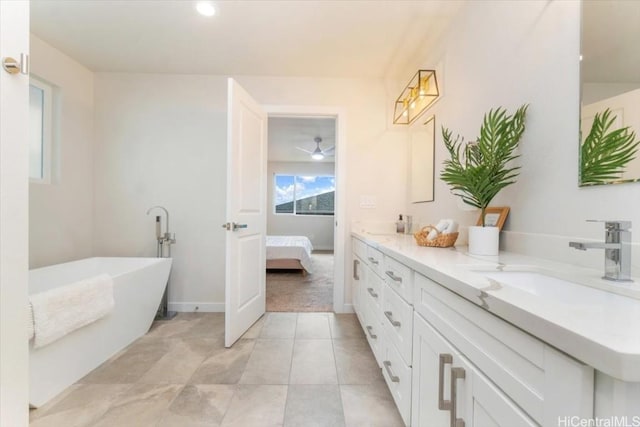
x: 318, y: 153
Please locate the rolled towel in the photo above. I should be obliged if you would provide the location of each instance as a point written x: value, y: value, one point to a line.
x: 439, y: 228
x: 62, y: 310
x: 452, y: 228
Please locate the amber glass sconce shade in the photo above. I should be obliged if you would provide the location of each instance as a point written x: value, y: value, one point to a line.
x: 417, y: 96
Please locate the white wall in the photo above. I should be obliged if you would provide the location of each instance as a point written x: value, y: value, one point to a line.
x: 511, y: 53
x: 60, y: 214
x: 319, y: 229
x: 161, y: 140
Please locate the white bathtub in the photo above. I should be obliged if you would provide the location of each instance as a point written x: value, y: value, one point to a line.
x: 138, y: 287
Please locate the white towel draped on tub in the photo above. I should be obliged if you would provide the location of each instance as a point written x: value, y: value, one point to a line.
x: 62, y: 310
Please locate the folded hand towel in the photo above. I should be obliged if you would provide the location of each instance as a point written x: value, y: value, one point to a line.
x: 30, y: 331
x: 62, y: 310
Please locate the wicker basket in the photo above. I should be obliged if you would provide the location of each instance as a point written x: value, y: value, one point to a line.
x: 441, y: 241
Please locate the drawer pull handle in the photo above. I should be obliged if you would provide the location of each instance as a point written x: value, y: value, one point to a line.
x: 373, y: 294
x: 390, y: 317
x: 456, y: 374
x: 372, y: 260
x: 393, y: 276
x: 444, y: 405
x: 372, y: 335
x: 393, y: 378
x: 355, y: 269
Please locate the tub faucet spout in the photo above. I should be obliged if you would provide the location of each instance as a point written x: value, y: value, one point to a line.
x: 166, y: 239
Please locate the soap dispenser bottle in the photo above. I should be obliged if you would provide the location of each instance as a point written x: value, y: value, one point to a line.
x: 400, y: 225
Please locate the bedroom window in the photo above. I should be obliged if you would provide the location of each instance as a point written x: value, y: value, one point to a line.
x: 304, y: 194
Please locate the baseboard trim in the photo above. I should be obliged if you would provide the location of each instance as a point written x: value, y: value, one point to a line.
x: 346, y: 308
x: 218, y: 307
x: 204, y: 307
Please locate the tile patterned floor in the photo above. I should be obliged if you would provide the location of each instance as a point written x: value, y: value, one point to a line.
x: 289, y: 369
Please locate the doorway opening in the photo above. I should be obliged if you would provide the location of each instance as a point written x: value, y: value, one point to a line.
x: 301, y: 197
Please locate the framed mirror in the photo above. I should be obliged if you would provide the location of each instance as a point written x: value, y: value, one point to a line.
x: 610, y: 91
x: 422, y: 162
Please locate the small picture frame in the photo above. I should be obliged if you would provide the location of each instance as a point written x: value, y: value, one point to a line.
x: 494, y: 217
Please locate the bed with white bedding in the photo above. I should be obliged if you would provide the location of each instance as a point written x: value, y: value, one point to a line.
x: 289, y: 252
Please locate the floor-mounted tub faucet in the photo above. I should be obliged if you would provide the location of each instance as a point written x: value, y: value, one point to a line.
x: 166, y: 239
x: 617, y: 250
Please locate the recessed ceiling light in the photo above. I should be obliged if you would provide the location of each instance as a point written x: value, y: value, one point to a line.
x: 205, y: 8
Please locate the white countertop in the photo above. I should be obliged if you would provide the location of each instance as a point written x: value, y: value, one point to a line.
x: 600, y: 327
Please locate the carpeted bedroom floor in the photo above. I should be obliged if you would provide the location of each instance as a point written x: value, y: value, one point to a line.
x: 288, y: 290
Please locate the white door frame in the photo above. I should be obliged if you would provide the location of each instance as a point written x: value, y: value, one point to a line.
x: 340, y: 215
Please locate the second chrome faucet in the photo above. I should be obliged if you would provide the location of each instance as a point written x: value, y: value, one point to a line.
x: 617, y: 250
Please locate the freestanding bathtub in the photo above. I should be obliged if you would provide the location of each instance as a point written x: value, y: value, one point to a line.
x: 138, y: 287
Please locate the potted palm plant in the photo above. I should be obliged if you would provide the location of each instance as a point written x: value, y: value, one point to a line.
x: 478, y: 171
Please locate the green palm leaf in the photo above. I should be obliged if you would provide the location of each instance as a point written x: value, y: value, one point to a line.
x: 605, y: 154
x: 478, y: 171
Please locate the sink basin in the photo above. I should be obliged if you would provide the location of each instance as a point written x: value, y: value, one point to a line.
x: 545, y: 286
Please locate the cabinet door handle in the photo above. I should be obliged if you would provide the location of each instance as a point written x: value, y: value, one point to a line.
x: 456, y: 374
x: 393, y: 276
x: 372, y: 335
x: 390, y: 318
x: 355, y: 269
x: 445, y: 358
x: 372, y: 260
x: 393, y: 378
x: 373, y: 294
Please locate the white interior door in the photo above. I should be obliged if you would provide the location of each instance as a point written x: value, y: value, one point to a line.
x: 14, y: 217
x: 246, y: 212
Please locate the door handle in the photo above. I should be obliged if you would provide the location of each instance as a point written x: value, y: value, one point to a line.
x: 444, y: 405
x: 12, y: 66
x: 390, y: 317
x: 355, y: 269
x: 232, y: 226
x: 456, y: 374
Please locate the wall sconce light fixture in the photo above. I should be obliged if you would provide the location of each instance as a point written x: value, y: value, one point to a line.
x: 417, y: 96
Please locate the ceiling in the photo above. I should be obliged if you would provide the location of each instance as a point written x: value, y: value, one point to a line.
x: 320, y: 38
x: 610, y: 35
x: 287, y: 133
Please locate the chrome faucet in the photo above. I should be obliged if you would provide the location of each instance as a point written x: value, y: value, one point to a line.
x: 617, y: 250
x: 163, y: 240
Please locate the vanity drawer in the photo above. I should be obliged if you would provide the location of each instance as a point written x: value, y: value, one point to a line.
x: 399, y: 277
x: 544, y: 382
x: 373, y: 292
x: 398, y: 322
x: 374, y: 333
x: 397, y: 375
x: 375, y: 259
x: 359, y: 248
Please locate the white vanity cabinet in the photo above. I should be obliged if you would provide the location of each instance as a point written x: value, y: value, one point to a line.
x: 421, y: 332
x: 382, y: 295
x: 449, y: 390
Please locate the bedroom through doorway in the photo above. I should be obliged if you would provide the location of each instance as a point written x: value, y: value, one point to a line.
x: 301, y: 194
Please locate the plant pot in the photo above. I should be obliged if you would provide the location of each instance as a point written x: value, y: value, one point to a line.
x: 484, y: 240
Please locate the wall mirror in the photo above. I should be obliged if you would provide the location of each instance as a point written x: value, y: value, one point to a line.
x: 422, y: 161
x: 610, y: 80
